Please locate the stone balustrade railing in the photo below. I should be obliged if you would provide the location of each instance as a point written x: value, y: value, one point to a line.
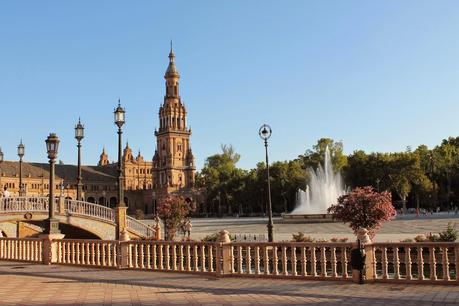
x: 95, y: 253
x: 24, y: 204
x: 198, y: 257
x: 21, y: 249
x: 90, y: 210
x: 139, y: 228
x: 306, y: 260
x: 385, y: 262
x: 421, y: 262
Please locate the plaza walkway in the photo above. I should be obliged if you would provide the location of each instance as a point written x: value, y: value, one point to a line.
x: 28, y: 284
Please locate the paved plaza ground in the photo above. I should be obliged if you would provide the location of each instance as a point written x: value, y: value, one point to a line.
x: 32, y: 284
x: 407, y: 226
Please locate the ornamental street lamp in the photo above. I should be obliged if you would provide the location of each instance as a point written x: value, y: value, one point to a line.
x: 79, y: 135
x: 119, y: 121
x: 265, y: 132
x: 21, y: 150
x: 52, y: 146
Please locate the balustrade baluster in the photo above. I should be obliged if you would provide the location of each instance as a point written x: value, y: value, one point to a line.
x: 148, y: 256
x: 284, y: 260
x: 275, y: 261
x: 445, y: 264
x: 2, y: 246
x: 304, y: 270
x: 239, y: 259
x: 266, y: 260
x: 195, y: 257
x: 313, y: 262
x: 142, y: 257
x: 257, y: 260
x: 115, y: 257
x: 135, y: 255
x: 104, y: 254
x: 384, y: 264
x: 396, y: 264
x: 160, y: 257
x: 188, y: 258
x: 83, y: 252
x: 323, y: 262
x: 98, y: 254
x: 73, y: 253
x: 167, y: 255
x: 333, y: 262
x: 181, y: 259
x: 433, y: 264
x: 93, y: 253
x: 420, y: 261
x: 88, y: 253
x: 174, y: 257
x: 210, y: 258
x: 408, y: 263
x: 203, y: 258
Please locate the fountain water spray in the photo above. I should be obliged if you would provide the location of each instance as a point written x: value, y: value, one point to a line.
x: 323, y: 190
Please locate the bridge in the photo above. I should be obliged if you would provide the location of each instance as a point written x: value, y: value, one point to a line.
x: 94, y: 220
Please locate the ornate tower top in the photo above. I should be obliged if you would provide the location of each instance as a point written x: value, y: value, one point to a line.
x: 171, y: 71
x: 103, y: 160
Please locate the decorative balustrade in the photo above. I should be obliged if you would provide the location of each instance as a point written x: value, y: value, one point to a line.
x: 197, y: 257
x: 386, y: 262
x: 306, y: 260
x: 420, y: 262
x: 96, y: 253
x: 139, y: 228
x: 21, y: 249
x: 90, y: 210
x: 24, y: 204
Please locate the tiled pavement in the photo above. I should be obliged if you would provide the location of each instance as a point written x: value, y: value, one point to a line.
x: 29, y: 284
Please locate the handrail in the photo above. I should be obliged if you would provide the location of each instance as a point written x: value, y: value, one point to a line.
x: 138, y: 227
x: 90, y: 209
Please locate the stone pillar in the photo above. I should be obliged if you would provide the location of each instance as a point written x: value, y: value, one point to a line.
x: 49, y: 250
x: 125, y: 250
x: 20, y: 229
x: 120, y: 219
x: 61, y: 205
x: 225, y: 243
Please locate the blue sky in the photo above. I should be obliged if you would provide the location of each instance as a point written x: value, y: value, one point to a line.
x: 380, y: 76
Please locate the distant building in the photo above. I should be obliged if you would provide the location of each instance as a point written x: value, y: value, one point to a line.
x: 171, y: 171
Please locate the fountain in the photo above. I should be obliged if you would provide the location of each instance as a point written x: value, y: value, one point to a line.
x: 323, y: 190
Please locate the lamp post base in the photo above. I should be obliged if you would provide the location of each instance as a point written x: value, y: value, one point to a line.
x: 52, y: 227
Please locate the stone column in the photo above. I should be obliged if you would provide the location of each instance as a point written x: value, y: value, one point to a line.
x: 225, y: 246
x: 121, y: 224
x: 49, y: 249
x: 61, y: 206
x: 125, y: 250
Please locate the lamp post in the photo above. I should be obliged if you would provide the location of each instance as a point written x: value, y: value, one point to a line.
x: 265, y: 132
x: 79, y: 135
x: 21, y: 150
x: 119, y: 121
x: 52, y: 145
x: 1, y: 174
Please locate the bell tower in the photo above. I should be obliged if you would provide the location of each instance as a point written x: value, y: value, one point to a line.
x: 173, y: 162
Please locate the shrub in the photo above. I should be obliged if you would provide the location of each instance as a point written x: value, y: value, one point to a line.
x: 407, y: 240
x: 173, y: 210
x: 301, y: 237
x: 420, y: 238
x: 364, y: 208
x: 433, y: 237
x: 335, y: 239
x: 449, y: 234
x: 214, y: 237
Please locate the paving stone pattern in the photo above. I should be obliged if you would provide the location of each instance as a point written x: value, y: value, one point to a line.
x: 28, y: 284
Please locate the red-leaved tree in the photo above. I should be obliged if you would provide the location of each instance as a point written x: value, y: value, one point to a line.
x: 173, y: 209
x: 364, y: 208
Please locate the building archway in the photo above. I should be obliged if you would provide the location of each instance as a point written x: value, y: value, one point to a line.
x: 91, y: 200
x: 103, y: 201
x: 113, y: 202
